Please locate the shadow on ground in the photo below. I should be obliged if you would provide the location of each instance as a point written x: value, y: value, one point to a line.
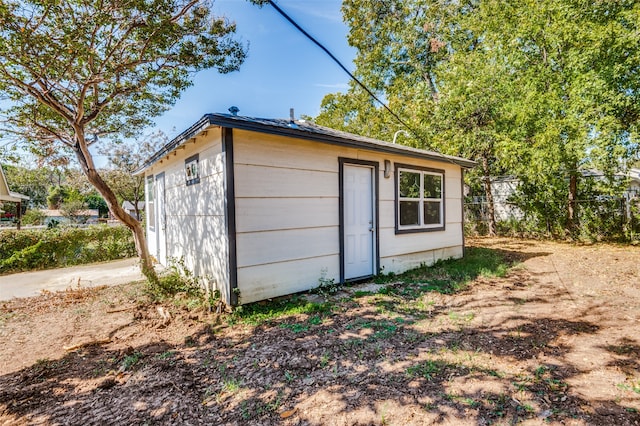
x: 405, y: 357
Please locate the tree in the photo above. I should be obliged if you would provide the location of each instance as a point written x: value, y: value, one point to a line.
x: 538, y: 89
x: 426, y: 59
x: 126, y: 159
x: 576, y: 67
x: 399, y: 46
x: 80, y: 71
x: 80, y: 189
x: 57, y: 196
x: 356, y: 112
x: 74, y: 211
x: 471, y: 116
x: 95, y: 201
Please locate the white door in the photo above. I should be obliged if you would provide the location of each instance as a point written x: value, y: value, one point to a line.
x: 161, y: 220
x: 359, y: 226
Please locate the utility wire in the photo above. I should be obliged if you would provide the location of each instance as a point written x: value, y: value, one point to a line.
x: 353, y: 77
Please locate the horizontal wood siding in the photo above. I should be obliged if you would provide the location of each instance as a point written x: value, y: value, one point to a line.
x: 259, y: 248
x: 195, y: 214
x: 262, y: 214
x: 270, y: 280
x: 401, y: 252
x: 395, y: 245
x: 400, y: 263
x: 277, y: 182
x: 287, y: 215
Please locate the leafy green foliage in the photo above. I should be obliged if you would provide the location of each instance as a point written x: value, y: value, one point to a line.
x: 78, y: 72
x: 427, y: 369
x: 51, y: 248
x: 33, y: 217
x: 95, y: 201
x: 536, y: 90
x: 106, y: 68
x: 130, y: 361
x: 57, y: 195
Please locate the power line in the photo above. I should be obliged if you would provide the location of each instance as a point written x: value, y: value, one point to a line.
x: 353, y: 77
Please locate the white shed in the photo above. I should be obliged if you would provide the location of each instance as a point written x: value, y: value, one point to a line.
x: 267, y: 207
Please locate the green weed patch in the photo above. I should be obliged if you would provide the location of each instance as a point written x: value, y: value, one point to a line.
x: 260, y: 313
x: 447, y: 276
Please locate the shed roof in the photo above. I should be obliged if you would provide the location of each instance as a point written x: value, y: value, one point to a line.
x: 299, y: 129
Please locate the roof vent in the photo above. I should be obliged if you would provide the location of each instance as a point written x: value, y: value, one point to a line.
x: 292, y: 119
x: 234, y: 110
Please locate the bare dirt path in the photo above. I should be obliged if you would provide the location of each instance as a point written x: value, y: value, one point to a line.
x: 555, y: 341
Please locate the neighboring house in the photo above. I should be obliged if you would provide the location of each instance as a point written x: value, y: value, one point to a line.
x: 84, y: 216
x: 7, y: 196
x: 633, y: 190
x: 130, y: 208
x: 262, y: 208
x: 504, y: 188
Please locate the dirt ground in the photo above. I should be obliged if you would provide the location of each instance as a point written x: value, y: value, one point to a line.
x: 556, y: 341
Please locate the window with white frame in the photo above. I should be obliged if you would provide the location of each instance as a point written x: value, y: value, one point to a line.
x: 419, y: 199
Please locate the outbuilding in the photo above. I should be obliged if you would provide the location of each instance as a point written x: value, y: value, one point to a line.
x: 261, y: 208
x: 8, y: 196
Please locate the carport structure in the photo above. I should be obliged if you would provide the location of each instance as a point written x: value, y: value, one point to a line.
x: 7, y: 196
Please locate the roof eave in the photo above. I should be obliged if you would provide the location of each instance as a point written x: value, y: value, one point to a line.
x: 209, y: 120
x: 198, y: 127
x: 225, y: 121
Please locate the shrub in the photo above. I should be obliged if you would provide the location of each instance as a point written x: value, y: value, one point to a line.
x: 63, y: 246
x: 33, y: 217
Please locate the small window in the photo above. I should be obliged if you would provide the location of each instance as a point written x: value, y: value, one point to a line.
x: 419, y: 200
x: 150, y: 208
x: 192, y: 170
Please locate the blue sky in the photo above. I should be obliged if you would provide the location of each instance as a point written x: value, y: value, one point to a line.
x: 283, y: 69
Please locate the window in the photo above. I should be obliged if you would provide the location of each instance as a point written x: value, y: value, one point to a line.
x: 150, y: 207
x: 191, y: 169
x: 419, y: 199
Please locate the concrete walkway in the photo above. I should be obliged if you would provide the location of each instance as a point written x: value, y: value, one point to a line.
x: 27, y: 284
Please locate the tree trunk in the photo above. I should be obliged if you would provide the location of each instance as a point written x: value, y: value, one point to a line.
x: 86, y: 161
x: 486, y: 180
x: 572, y: 202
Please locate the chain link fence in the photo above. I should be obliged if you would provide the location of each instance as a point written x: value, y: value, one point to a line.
x: 598, y: 219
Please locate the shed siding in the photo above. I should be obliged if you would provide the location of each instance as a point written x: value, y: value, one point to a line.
x: 399, y: 253
x: 195, y: 214
x: 286, y: 215
x: 287, y: 221
x: 267, y: 281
